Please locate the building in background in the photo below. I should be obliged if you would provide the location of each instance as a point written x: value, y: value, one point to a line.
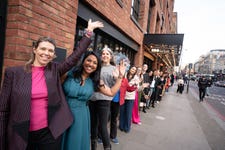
x: 212, y: 63
x: 144, y: 30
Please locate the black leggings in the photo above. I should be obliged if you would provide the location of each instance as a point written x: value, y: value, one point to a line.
x: 43, y: 140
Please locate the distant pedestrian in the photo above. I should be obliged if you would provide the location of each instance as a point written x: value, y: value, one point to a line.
x: 202, y: 84
x: 180, y: 85
x: 209, y: 84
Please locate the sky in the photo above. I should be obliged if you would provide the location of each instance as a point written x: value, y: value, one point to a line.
x: 203, y: 24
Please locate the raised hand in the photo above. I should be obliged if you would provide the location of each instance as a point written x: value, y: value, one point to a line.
x: 94, y: 25
x: 122, y: 68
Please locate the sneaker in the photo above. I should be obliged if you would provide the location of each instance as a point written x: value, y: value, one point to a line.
x: 115, y: 141
x: 100, y: 141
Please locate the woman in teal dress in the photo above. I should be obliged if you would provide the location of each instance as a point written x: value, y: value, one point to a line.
x: 79, y: 85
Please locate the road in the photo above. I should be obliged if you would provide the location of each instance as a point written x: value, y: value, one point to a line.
x: 216, y: 98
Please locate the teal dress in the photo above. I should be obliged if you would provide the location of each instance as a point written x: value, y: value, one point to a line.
x: 77, y: 137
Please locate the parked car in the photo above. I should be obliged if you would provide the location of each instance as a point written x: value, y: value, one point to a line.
x: 220, y: 83
x: 193, y: 77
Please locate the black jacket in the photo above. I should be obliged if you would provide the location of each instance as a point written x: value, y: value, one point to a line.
x: 202, y: 83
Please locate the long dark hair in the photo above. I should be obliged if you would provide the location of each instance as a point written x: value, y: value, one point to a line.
x: 132, y: 75
x: 95, y: 76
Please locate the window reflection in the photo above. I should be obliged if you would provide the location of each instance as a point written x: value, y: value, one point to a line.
x: 100, y: 39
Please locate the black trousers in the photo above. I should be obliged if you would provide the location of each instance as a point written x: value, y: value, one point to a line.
x: 99, y: 111
x: 43, y: 140
x: 202, y: 92
x: 115, y: 107
x: 180, y: 88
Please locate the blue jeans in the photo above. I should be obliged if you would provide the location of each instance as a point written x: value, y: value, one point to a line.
x: 125, y: 115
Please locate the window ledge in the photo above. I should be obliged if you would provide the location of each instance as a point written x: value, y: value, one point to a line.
x: 137, y: 24
x: 120, y: 2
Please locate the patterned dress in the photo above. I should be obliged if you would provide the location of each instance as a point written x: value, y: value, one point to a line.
x: 77, y: 137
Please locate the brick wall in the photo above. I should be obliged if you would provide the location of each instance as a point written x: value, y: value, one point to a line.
x: 118, y: 16
x: 27, y: 20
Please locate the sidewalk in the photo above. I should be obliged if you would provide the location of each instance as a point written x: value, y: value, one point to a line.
x: 171, y: 125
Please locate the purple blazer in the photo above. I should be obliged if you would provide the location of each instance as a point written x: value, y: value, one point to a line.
x: 15, y: 100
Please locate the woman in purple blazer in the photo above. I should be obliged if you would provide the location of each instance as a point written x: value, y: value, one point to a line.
x: 33, y: 110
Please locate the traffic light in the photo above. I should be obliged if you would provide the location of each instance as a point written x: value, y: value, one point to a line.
x: 190, y: 66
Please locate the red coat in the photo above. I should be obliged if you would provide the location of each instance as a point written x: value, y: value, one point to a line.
x: 124, y: 88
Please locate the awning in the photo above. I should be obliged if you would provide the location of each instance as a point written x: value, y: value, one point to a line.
x: 167, y: 47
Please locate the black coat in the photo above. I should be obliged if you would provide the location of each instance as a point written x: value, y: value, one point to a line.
x: 202, y: 83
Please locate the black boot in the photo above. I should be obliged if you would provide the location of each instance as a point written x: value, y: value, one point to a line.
x: 144, y: 109
x: 93, y: 144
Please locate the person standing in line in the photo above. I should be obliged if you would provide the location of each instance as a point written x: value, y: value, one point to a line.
x: 168, y: 83
x: 157, y: 87
x: 172, y: 79
x: 129, y: 96
x: 145, y: 90
x: 33, y: 109
x: 100, y: 103
x: 202, y: 85
x: 152, y: 88
x: 114, y: 112
x: 135, y: 111
x: 78, y: 87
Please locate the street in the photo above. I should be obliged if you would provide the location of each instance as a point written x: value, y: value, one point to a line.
x: 215, y: 100
x: 178, y: 122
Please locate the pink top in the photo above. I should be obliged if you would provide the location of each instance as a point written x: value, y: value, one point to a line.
x: 39, y: 100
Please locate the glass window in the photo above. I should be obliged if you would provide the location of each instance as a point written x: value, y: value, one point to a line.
x: 135, y: 9
x: 100, y: 39
x: 99, y: 44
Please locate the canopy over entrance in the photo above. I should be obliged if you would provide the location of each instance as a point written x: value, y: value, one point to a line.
x: 167, y: 47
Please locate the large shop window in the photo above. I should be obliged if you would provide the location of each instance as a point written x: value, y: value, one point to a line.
x: 101, y: 39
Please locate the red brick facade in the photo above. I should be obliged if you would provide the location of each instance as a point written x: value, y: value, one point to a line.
x: 27, y: 20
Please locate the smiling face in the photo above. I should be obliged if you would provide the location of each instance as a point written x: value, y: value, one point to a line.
x: 90, y: 64
x: 44, y: 53
x: 133, y: 70
x: 106, y: 57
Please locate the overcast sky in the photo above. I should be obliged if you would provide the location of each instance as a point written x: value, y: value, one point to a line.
x: 203, y: 24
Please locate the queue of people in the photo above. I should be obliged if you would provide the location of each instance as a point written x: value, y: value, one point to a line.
x: 39, y: 111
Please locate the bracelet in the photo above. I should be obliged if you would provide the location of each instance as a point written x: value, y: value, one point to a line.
x: 88, y: 33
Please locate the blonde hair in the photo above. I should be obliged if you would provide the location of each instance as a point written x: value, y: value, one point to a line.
x: 106, y: 48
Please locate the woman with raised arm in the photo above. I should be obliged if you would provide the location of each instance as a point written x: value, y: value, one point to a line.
x: 33, y: 109
x: 79, y: 85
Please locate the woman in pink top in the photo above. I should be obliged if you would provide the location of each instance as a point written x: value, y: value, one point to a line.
x: 33, y: 109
